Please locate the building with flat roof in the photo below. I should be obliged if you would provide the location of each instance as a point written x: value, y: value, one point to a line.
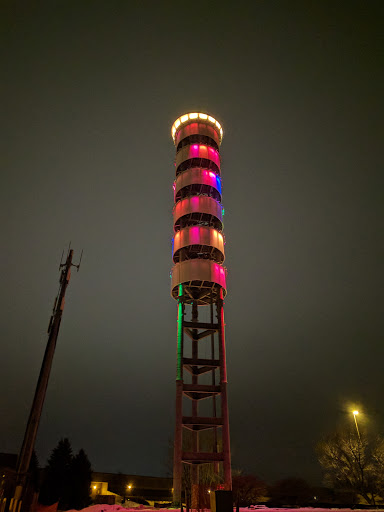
x: 131, y: 487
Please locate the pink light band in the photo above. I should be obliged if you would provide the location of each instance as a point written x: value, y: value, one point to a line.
x: 198, y: 235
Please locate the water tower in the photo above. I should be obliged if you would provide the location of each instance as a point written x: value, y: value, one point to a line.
x: 199, y: 287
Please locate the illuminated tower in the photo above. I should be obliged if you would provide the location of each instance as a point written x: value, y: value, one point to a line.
x: 199, y: 279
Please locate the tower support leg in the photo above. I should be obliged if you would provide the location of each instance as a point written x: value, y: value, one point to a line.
x: 177, y: 446
x: 178, y: 440
x: 195, y: 413
x: 224, y: 400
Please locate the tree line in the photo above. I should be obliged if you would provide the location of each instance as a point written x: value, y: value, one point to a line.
x: 353, y: 465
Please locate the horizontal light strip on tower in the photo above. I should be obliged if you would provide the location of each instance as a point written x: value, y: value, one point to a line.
x: 199, y: 129
x: 197, y: 152
x: 199, y: 236
x: 198, y: 206
x: 197, y: 176
x: 196, y: 117
x: 197, y: 138
x: 199, y: 273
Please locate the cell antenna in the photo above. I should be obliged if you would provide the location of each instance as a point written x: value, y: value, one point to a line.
x: 42, y: 383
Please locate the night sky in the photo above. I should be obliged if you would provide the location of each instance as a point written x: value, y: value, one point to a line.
x: 89, y: 94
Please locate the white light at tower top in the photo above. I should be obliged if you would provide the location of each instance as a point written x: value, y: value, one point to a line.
x: 196, y: 115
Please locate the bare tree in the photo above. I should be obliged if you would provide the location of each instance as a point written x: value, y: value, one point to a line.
x: 353, y: 462
x: 378, y: 461
x: 247, y: 489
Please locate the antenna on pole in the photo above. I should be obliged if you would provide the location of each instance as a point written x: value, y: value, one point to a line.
x: 42, y: 383
x: 81, y: 257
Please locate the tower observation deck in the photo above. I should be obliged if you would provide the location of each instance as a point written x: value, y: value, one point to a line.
x: 199, y: 279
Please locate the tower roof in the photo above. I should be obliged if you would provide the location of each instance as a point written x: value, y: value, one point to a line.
x: 196, y: 117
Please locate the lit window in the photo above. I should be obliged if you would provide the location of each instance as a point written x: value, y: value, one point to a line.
x: 218, y: 125
x: 184, y: 118
x: 177, y: 123
x: 212, y: 119
x: 193, y: 116
x: 203, y: 116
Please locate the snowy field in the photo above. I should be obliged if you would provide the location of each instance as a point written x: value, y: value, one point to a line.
x: 119, y: 508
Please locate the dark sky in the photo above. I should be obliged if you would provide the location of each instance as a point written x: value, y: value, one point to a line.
x: 89, y: 92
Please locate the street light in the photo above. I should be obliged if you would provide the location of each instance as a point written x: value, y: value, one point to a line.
x: 355, y: 413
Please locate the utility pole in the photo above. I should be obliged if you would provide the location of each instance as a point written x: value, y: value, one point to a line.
x: 42, y: 383
x: 355, y: 413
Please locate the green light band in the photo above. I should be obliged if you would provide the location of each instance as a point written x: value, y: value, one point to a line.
x: 179, y: 335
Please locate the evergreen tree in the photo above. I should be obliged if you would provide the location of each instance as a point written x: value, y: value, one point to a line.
x: 56, y: 484
x: 80, y: 481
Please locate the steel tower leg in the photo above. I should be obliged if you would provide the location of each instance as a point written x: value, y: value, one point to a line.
x: 224, y: 400
x: 178, y: 440
x: 195, y: 413
x: 214, y: 408
x: 177, y: 446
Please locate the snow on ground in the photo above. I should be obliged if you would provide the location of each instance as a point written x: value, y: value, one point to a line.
x: 120, y: 508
